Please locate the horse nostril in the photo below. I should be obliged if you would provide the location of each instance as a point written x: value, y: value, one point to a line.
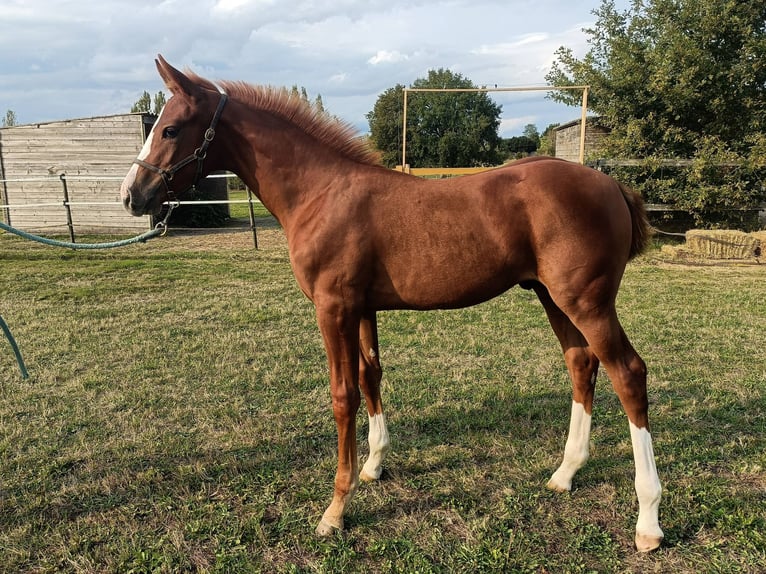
x: 130, y: 203
x: 127, y: 201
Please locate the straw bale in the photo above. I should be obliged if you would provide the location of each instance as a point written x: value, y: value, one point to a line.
x: 761, y: 237
x: 723, y: 244
x: 677, y: 252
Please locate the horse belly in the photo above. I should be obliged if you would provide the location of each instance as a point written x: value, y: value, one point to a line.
x: 432, y: 281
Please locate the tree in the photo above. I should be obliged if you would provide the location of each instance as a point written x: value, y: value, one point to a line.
x: 519, y: 146
x: 385, y: 122
x: 302, y: 93
x: 679, y: 79
x: 548, y: 141
x: 444, y: 129
x: 531, y: 133
x: 159, y: 102
x: 319, y: 103
x: 144, y: 103
x: 10, y: 119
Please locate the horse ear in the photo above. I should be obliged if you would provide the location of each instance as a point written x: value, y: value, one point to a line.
x: 175, y: 80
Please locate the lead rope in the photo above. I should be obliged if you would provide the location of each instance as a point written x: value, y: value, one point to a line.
x: 159, y: 230
x: 15, y: 347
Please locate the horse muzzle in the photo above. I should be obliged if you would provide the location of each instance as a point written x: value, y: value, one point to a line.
x: 141, y: 204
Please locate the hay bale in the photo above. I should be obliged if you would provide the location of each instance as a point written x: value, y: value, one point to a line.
x: 723, y: 244
x: 675, y: 252
x: 761, y: 237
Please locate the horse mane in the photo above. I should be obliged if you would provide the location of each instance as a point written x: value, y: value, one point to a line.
x: 337, y: 134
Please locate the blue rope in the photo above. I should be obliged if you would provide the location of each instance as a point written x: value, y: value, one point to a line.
x: 160, y: 230
x: 15, y: 347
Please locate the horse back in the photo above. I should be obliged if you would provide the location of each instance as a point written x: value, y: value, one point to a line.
x: 405, y: 242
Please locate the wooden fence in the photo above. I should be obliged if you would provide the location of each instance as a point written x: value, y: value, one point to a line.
x: 93, y: 154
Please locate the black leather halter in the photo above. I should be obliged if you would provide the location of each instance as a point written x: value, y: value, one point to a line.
x: 199, y: 155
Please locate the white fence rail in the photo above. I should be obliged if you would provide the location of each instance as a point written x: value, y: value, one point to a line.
x: 7, y: 209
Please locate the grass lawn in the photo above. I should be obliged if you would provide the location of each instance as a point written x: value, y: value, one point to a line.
x: 241, y: 210
x: 177, y: 419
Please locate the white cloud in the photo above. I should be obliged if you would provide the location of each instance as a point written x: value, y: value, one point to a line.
x: 510, y: 48
x: 338, y: 78
x: 510, y: 126
x: 75, y: 58
x: 387, y: 57
x: 231, y: 5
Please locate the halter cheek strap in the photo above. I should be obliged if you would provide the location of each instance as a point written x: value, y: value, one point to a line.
x: 198, y: 155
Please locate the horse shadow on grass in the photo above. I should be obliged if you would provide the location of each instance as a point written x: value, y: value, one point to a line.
x: 505, y: 442
x: 134, y: 480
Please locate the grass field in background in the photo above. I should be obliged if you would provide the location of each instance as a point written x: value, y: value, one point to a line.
x: 242, y: 210
x: 177, y: 419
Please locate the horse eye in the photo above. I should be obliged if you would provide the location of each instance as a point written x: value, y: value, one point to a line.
x: 169, y: 132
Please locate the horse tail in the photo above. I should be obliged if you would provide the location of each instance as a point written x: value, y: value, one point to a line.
x: 640, y: 222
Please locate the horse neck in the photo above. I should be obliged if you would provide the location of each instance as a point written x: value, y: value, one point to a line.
x: 279, y: 162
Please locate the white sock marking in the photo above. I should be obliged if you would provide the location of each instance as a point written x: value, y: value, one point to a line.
x: 379, y: 445
x: 648, y: 488
x: 576, y: 451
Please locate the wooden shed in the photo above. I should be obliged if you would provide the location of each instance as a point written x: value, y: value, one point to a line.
x: 94, y: 154
x: 568, y: 138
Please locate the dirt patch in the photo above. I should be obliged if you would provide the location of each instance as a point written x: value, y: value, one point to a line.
x: 235, y: 237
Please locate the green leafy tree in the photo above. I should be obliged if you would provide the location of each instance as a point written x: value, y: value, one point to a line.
x: 548, y: 141
x: 519, y: 146
x: 319, y: 103
x: 679, y: 79
x: 444, y: 129
x: 159, y: 102
x: 385, y: 122
x: 10, y: 119
x: 144, y: 103
x: 532, y: 134
x: 302, y: 93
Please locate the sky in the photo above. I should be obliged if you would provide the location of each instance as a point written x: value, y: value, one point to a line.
x: 67, y: 59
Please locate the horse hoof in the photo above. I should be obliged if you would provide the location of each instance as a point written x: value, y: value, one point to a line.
x: 364, y: 477
x: 555, y: 486
x: 648, y: 542
x: 370, y: 477
x: 325, y: 529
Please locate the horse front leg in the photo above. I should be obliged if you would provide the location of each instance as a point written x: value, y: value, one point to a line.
x: 340, y: 331
x: 370, y: 374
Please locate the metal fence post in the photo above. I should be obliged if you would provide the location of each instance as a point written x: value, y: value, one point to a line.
x: 252, y: 216
x: 68, y: 209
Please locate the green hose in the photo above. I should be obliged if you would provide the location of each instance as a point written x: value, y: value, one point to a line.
x: 7, y: 331
x: 160, y: 230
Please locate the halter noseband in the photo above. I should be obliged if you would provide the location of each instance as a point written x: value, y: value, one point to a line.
x: 198, y: 155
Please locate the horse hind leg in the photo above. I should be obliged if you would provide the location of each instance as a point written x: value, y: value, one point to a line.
x: 627, y: 372
x: 582, y: 365
x: 583, y: 369
x: 628, y: 375
x: 370, y: 375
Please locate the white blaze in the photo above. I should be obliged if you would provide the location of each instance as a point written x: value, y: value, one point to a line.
x: 130, y: 178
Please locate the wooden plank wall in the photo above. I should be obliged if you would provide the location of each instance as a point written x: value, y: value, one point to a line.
x: 568, y: 139
x: 91, y: 148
